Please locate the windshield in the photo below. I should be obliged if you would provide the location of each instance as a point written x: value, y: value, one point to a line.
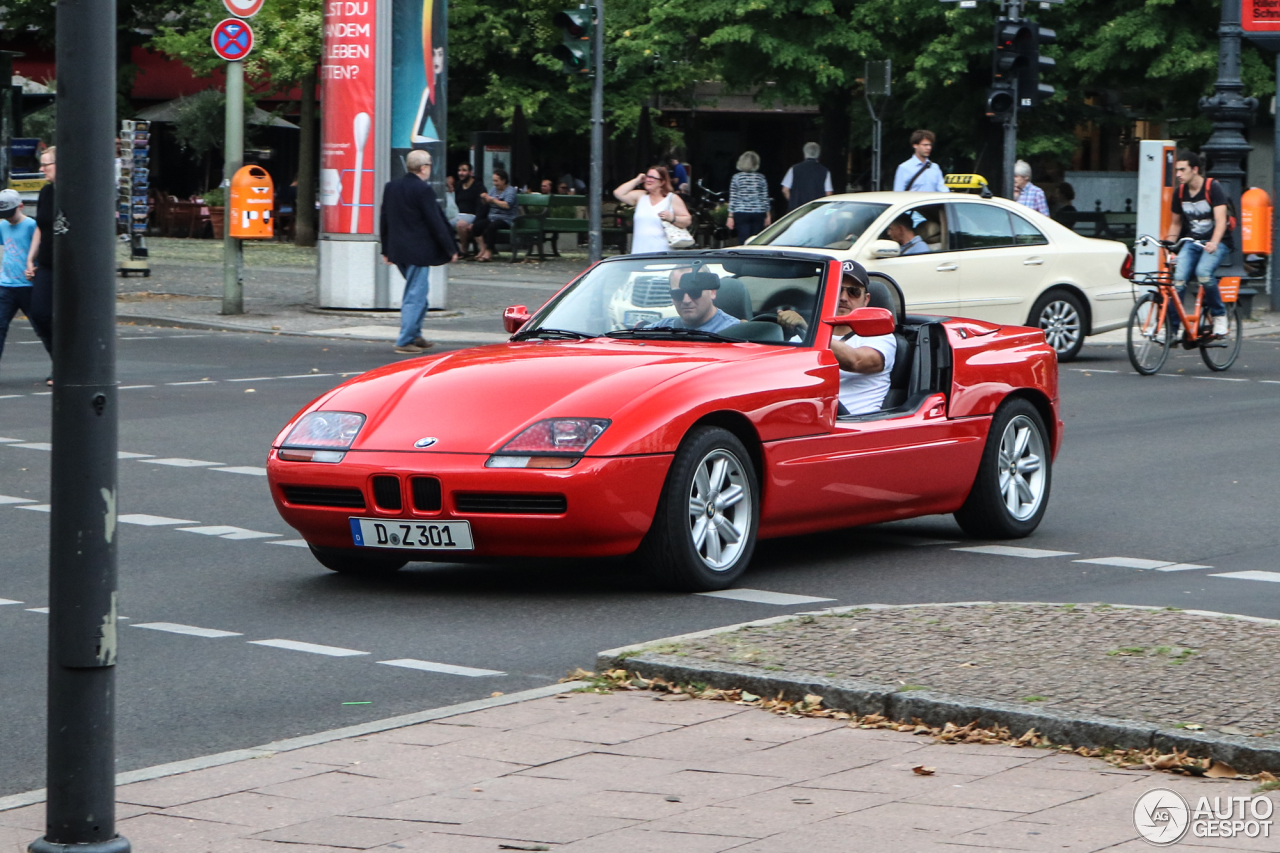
x: 822, y: 225
x: 699, y: 298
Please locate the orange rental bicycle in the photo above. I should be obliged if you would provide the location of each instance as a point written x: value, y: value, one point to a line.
x: 1151, y: 322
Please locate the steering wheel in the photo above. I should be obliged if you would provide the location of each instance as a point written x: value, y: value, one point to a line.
x: 771, y: 318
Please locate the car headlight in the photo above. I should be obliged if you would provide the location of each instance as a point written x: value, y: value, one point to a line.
x: 321, y: 437
x: 553, y: 443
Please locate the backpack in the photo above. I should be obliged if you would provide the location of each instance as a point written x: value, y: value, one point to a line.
x: 1208, y: 190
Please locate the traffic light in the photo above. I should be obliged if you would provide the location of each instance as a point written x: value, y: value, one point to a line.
x: 1000, y: 102
x: 1018, y: 59
x: 1031, y: 92
x: 575, y: 51
x: 1013, y: 40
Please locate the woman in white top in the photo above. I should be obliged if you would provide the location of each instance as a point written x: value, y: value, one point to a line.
x: 650, y: 192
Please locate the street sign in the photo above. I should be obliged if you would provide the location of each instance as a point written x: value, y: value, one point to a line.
x: 232, y: 39
x: 1260, y: 20
x: 243, y: 8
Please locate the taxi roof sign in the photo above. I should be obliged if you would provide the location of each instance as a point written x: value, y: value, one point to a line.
x: 975, y: 184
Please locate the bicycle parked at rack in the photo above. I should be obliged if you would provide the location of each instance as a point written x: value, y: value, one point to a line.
x: 1151, y: 332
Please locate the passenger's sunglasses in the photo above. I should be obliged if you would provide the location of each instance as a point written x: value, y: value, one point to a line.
x: 678, y: 294
x: 652, y: 178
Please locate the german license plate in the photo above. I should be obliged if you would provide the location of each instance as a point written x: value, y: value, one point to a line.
x: 412, y: 535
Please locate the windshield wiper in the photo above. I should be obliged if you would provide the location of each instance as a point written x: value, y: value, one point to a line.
x: 669, y: 331
x: 555, y: 334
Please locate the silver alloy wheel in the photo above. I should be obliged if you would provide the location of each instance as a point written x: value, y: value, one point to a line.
x: 1061, y: 324
x: 1021, y: 468
x: 719, y: 509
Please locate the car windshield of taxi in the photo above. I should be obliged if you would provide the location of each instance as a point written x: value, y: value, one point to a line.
x: 705, y: 297
x: 822, y: 225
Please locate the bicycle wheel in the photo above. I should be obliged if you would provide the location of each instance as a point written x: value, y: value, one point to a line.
x: 1221, y: 353
x: 1147, y: 339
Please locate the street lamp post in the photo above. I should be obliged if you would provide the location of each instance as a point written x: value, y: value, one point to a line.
x: 595, y: 236
x: 81, y: 771
x: 1231, y: 113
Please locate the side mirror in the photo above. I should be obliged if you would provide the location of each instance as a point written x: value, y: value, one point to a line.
x: 884, y: 249
x: 866, y: 322
x: 515, y: 317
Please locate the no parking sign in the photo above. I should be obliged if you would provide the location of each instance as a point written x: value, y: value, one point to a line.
x: 243, y: 8
x: 232, y: 39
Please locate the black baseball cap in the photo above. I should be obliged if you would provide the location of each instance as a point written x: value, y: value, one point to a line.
x: 855, y: 271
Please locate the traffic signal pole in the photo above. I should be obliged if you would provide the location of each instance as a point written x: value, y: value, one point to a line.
x: 1010, y: 145
x: 595, y: 243
x: 81, y: 767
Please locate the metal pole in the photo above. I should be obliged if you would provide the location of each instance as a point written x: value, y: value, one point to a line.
x: 875, y: 146
x: 1011, y: 143
x: 80, y: 813
x: 233, y: 159
x: 595, y: 237
x: 1273, y: 269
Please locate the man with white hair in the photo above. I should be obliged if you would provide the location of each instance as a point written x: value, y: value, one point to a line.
x: 807, y: 180
x: 1026, y: 193
x: 415, y: 237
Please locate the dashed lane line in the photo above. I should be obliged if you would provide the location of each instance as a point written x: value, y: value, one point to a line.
x: 446, y: 668
x: 1272, y: 577
x: 125, y: 454
x: 9, y: 499
x: 34, y: 445
x: 1011, y: 551
x: 35, y: 507
x: 242, y: 469
x: 141, y: 518
x: 764, y: 596
x: 228, y: 532
x: 4, y: 601
x: 312, y: 648
x: 179, y: 462
x: 132, y: 387
x: 190, y: 630
x: 292, y: 543
x: 1134, y: 563
x: 43, y: 610
x: 186, y: 383
x: 195, y: 382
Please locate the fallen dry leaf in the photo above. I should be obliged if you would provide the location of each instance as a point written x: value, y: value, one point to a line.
x: 1194, y: 727
x: 1164, y: 762
x: 921, y: 770
x: 674, y: 697
x: 1218, y: 770
x: 749, y: 697
x: 812, y: 699
x: 967, y: 665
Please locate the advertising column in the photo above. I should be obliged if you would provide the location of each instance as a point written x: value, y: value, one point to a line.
x: 349, y: 179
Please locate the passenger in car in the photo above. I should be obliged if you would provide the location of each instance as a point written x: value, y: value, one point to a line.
x: 903, y: 232
x: 865, y: 363
x: 694, y: 295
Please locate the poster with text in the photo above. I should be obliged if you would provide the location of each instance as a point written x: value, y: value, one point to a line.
x: 348, y: 80
x: 419, y: 63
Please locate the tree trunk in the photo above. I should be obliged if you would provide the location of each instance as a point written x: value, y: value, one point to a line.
x: 305, y: 210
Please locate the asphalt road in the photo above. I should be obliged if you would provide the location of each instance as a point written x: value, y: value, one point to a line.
x: 1170, y: 471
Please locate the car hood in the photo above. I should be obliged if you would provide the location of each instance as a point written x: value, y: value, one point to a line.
x: 475, y: 400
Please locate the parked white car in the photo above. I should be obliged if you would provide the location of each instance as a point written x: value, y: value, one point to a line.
x: 988, y: 259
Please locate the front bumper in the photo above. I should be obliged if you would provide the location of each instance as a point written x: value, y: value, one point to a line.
x: 609, y: 502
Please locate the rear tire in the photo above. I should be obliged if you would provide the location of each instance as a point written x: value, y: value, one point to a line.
x: 1060, y: 316
x: 1219, y: 358
x: 704, y: 531
x: 352, y: 561
x: 1011, y: 491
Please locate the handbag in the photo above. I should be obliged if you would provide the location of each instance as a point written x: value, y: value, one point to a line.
x: 677, y: 237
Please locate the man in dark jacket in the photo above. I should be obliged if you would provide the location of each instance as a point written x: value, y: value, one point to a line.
x: 806, y: 180
x: 415, y: 237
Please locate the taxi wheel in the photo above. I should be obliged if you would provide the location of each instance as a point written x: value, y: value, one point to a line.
x: 704, y: 531
x: 351, y: 561
x: 1060, y: 316
x: 1011, y: 491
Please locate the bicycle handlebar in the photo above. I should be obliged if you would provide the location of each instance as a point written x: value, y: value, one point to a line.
x: 1147, y: 239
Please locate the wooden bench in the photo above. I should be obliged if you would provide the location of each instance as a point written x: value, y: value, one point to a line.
x: 567, y: 214
x: 526, y: 229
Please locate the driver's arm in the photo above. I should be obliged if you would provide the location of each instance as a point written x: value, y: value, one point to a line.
x: 857, y: 359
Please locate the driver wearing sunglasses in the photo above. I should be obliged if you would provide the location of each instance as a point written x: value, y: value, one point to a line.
x: 694, y: 295
x: 865, y: 363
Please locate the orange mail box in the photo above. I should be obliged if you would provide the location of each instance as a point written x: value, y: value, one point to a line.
x: 253, y: 197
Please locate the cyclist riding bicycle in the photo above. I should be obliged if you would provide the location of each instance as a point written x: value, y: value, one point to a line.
x: 1199, y: 209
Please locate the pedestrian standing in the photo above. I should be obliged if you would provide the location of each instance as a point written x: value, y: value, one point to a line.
x: 415, y: 237
x: 1026, y: 193
x: 679, y: 174
x: 18, y: 232
x: 748, y: 198
x: 807, y: 180
x: 919, y: 174
x: 655, y: 202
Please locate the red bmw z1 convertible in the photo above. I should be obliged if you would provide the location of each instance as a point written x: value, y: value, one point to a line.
x: 603, y: 428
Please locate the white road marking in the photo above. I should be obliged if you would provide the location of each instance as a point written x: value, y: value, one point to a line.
x: 34, y: 445
x: 243, y: 469
x: 1269, y: 381
x: 903, y: 539
x: 292, y: 543
x: 227, y: 532
x: 295, y: 646
x: 1011, y: 551
x: 1126, y: 562
x: 9, y: 396
x: 9, y: 499
x: 10, y: 440
x: 1273, y: 577
x: 179, y: 462
x: 1091, y: 370
x: 131, y: 387
x: 191, y: 630
x: 4, y: 601
x: 37, y: 507
x: 195, y: 382
x: 42, y: 394
x: 253, y: 379
x: 149, y: 520
x: 448, y: 669
x: 124, y: 454
x: 44, y: 610
x: 304, y: 375
x: 1221, y: 378
x: 1182, y: 567
x: 764, y: 596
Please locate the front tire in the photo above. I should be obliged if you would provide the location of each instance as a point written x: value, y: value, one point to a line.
x: 704, y: 531
x: 353, y: 561
x: 1147, y: 339
x: 1011, y: 491
x: 1060, y: 316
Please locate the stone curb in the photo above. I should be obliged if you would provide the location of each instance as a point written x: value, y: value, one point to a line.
x: 216, y: 326
x: 937, y: 709
x: 267, y: 750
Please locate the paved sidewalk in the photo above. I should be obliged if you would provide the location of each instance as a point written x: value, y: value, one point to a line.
x: 638, y: 771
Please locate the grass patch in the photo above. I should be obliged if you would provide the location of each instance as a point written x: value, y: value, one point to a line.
x: 1034, y: 698
x: 1127, y: 651
x: 905, y: 687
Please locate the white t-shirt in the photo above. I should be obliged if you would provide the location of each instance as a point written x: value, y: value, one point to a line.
x: 864, y: 392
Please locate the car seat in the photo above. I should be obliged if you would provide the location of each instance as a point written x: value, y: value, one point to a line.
x: 931, y: 233
x: 733, y: 298
x: 886, y: 294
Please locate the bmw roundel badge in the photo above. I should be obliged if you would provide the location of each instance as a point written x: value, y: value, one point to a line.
x: 425, y: 442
